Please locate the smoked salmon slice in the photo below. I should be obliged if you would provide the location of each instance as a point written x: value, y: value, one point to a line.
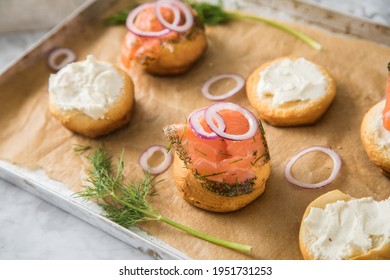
x: 223, y: 166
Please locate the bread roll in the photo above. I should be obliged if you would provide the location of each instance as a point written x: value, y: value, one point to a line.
x: 331, y: 236
x: 194, y: 193
x: 375, y: 138
x: 170, y: 54
x: 91, y: 106
x: 220, y: 174
x: 282, y: 102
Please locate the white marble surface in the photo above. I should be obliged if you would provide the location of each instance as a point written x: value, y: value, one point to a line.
x: 33, y: 229
x: 376, y: 10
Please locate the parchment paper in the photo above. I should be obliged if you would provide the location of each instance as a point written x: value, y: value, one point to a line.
x: 30, y: 137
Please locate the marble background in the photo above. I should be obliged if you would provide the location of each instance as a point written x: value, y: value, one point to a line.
x: 31, y: 228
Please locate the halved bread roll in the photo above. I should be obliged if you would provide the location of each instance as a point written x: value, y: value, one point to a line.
x: 284, y: 93
x: 320, y: 238
x: 375, y: 138
x: 194, y: 193
x: 91, y: 106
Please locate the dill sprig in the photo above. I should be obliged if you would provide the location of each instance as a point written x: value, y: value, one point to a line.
x: 127, y: 204
x: 118, y: 18
x: 79, y: 149
x: 202, y: 176
x: 213, y: 14
x: 200, y: 152
x: 235, y: 161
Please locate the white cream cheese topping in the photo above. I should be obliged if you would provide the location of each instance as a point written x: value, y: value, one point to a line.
x: 89, y: 86
x: 381, y: 133
x: 291, y: 80
x: 346, y: 229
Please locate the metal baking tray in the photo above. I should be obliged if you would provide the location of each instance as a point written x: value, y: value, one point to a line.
x: 37, y: 183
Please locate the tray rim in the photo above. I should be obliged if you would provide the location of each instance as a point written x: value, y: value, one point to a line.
x: 280, y: 4
x: 88, y: 211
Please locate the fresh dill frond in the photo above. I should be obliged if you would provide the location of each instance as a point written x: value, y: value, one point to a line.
x: 221, y: 152
x: 170, y: 146
x: 235, y: 161
x: 202, y: 176
x: 118, y: 18
x: 128, y: 204
x: 121, y: 16
x: 184, y: 131
x: 200, y: 152
x: 79, y: 149
x: 213, y: 14
x: 260, y: 157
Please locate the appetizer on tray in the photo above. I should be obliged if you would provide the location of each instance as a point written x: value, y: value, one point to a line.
x: 291, y: 91
x: 337, y: 226
x: 375, y: 132
x: 222, y: 160
x: 91, y: 97
x: 164, y: 37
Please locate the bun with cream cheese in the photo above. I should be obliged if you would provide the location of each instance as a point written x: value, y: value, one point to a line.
x: 320, y: 238
x: 91, y: 106
x: 280, y: 102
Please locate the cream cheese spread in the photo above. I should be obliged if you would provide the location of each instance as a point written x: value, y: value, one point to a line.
x: 89, y: 86
x: 290, y: 80
x: 343, y: 229
x: 381, y: 133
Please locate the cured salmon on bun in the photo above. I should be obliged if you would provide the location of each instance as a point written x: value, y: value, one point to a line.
x: 164, y: 37
x: 375, y: 132
x: 222, y: 160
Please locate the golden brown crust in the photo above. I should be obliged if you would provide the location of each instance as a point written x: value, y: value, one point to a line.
x: 175, y: 57
x: 292, y: 113
x: 378, y: 154
x: 195, y: 194
x: 321, y: 202
x: 118, y: 115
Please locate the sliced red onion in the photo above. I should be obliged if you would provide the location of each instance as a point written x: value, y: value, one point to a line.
x: 213, y: 110
x: 240, y: 82
x: 331, y: 153
x: 148, y: 153
x: 135, y: 30
x: 198, y: 129
x: 172, y: 4
x: 55, y: 55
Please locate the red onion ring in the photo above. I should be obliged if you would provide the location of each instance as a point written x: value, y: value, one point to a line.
x: 148, y: 153
x: 240, y: 83
x: 134, y: 13
x: 171, y: 4
x: 331, y: 153
x: 70, y: 56
x: 213, y: 110
x: 198, y: 129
